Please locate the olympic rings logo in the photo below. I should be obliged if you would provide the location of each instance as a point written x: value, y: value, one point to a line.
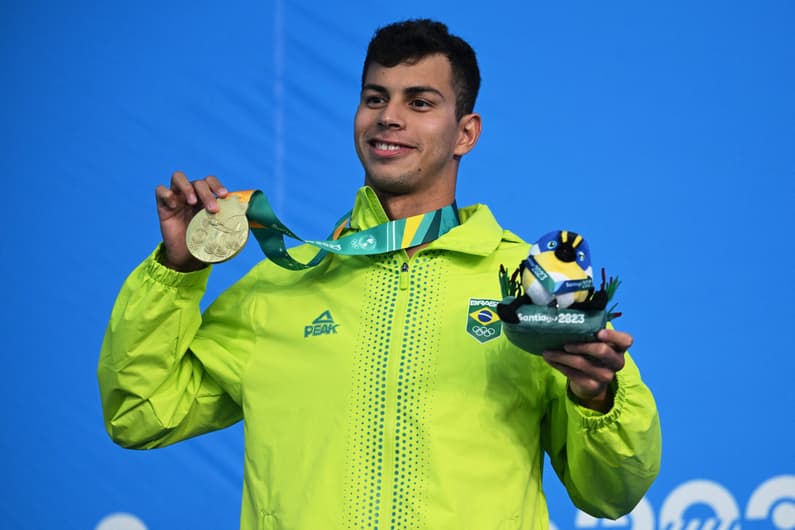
x: 480, y: 331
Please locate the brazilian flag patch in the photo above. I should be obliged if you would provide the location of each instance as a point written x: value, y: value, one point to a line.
x: 483, y: 323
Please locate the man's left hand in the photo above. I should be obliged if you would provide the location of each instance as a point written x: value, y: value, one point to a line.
x: 591, y: 366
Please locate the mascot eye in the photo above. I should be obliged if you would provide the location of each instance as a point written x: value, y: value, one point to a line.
x: 552, y: 244
x: 580, y: 256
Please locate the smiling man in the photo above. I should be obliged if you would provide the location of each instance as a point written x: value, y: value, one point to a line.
x: 389, y: 397
x: 410, y: 135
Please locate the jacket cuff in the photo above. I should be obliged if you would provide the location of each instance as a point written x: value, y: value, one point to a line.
x: 167, y: 277
x: 592, y: 420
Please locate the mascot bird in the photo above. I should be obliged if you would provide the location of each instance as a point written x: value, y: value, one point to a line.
x: 557, y: 273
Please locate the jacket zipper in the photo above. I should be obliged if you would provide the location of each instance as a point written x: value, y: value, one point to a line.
x: 399, y: 328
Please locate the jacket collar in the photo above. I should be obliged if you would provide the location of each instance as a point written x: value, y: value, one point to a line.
x: 478, y: 234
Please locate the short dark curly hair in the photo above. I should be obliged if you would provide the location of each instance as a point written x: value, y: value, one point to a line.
x: 412, y: 40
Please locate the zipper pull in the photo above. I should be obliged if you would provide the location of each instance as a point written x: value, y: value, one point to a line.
x: 404, y: 276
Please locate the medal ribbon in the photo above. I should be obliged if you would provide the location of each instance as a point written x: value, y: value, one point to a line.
x: 550, y: 285
x: 380, y: 239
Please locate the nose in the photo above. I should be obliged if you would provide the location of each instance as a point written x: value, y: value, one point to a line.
x: 391, y: 116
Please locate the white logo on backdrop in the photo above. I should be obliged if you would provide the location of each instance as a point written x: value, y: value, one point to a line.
x: 121, y: 521
x: 683, y: 507
x: 774, y: 500
x: 707, y: 505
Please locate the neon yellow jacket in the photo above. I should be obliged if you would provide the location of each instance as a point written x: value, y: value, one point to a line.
x: 371, y: 395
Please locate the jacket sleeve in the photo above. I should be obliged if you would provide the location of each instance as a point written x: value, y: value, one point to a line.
x: 608, y: 461
x: 154, y: 390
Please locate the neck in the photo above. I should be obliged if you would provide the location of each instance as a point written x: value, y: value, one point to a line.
x: 400, y: 206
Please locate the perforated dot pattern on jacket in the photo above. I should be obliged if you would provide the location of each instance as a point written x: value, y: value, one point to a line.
x: 394, y: 370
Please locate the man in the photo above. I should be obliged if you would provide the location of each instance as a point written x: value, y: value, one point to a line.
x: 394, y: 415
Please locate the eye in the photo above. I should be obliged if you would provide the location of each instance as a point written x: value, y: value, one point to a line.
x: 580, y: 255
x: 552, y: 245
x: 374, y: 101
x: 420, y: 104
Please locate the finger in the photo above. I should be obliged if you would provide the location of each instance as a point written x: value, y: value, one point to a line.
x: 580, y: 367
x: 582, y: 386
x: 621, y: 341
x: 216, y: 187
x: 181, y: 185
x: 165, y: 197
x: 601, y: 353
x: 569, y: 372
x: 206, y: 195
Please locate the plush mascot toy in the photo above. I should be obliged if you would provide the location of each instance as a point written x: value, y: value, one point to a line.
x: 556, y: 301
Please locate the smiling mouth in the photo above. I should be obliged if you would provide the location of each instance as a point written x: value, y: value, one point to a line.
x: 383, y: 146
x: 389, y: 147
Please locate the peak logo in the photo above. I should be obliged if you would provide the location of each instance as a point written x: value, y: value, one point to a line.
x: 707, y: 505
x: 322, y: 325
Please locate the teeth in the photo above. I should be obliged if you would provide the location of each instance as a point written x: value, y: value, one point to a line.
x: 386, y: 147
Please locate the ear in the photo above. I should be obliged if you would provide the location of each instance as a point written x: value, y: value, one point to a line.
x: 468, y: 134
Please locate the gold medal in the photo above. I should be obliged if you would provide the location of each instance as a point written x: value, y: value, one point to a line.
x: 213, y: 238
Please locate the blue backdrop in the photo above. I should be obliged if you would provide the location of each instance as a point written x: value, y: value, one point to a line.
x: 663, y: 131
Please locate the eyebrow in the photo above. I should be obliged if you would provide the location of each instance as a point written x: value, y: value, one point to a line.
x: 410, y: 91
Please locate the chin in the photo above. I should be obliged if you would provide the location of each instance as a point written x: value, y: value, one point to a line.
x: 393, y: 185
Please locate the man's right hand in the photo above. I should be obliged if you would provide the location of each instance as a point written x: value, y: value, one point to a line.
x: 176, y: 206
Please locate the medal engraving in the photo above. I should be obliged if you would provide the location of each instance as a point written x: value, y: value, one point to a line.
x: 213, y: 238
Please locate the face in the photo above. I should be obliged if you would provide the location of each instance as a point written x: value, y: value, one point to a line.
x: 406, y: 132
